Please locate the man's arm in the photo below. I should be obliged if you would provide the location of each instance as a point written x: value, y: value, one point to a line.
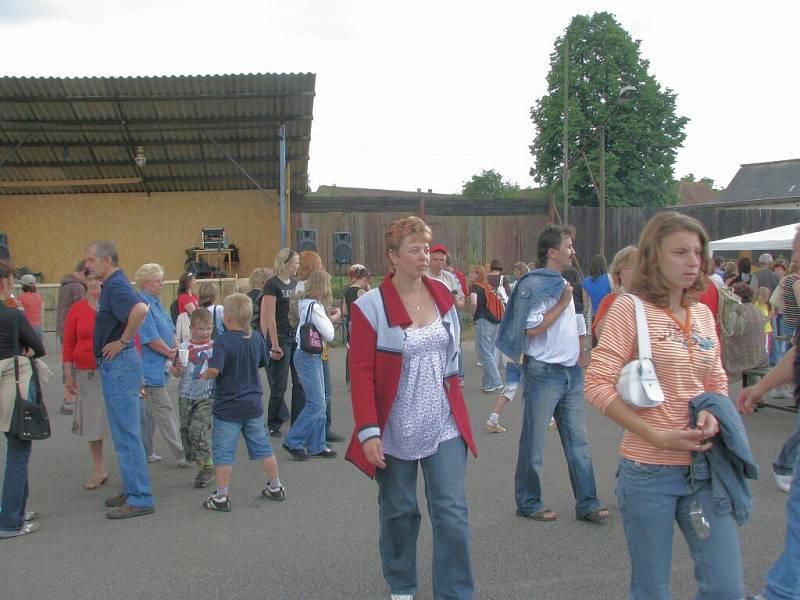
x: 551, y: 315
x: 135, y: 319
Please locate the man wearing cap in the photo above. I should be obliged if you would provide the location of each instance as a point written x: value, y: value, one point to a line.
x: 438, y: 270
x: 765, y: 277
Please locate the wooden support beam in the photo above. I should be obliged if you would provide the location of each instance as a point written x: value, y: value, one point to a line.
x: 70, y: 182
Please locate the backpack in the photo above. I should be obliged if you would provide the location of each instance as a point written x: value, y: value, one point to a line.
x: 494, y: 303
x: 173, y: 311
x: 730, y: 313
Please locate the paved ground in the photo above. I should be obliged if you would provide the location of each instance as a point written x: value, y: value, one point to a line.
x: 322, y: 542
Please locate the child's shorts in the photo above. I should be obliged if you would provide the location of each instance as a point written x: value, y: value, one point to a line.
x: 226, y: 438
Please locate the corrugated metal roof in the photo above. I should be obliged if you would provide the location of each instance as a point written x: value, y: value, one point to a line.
x: 89, y: 128
x: 764, y: 181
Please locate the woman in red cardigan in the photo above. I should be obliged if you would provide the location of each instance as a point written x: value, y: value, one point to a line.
x: 409, y: 412
x: 89, y: 418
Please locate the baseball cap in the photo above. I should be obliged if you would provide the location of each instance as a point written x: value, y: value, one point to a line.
x: 28, y: 279
x: 439, y: 248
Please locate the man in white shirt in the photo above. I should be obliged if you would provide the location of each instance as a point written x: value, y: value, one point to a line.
x: 556, y: 350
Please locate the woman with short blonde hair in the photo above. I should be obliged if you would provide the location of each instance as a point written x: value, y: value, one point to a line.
x: 410, y: 412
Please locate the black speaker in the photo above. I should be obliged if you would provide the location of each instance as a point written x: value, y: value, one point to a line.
x: 343, y: 248
x: 306, y: 240
x: 4, y: 253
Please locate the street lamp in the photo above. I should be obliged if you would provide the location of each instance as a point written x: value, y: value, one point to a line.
x: 625, y: 94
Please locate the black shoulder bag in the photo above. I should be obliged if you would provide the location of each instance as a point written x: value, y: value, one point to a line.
x: 29, y: 421
x: 310, y: 338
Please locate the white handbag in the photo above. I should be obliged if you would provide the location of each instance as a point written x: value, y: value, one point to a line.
x: 638, y: 384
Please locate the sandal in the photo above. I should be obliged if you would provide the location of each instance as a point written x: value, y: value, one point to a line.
x: 545, y: 515
x: 598, y: 515
x: 94, y: 483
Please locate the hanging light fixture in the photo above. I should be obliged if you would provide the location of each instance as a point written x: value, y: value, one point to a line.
x: 139, y: 157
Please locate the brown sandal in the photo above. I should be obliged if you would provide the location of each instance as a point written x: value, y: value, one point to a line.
x: 598, y: 515
x: 93, y: 483
x: 545, y: 515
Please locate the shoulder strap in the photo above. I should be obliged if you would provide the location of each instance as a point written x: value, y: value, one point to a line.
x: 308, y: 311
x: 643, y: 335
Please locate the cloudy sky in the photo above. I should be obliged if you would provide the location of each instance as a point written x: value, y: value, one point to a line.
x: 424, y: 94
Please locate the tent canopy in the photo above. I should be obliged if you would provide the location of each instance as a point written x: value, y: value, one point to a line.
x: 777, y: 238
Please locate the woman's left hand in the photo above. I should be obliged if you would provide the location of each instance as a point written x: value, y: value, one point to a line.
x: 707, y: 424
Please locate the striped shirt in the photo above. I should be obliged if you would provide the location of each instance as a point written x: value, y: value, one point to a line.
x: 687, y: 361
x: 791, y: 312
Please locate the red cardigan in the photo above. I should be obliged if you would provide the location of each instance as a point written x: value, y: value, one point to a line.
x: 375, y: 372
x: 78, y: 332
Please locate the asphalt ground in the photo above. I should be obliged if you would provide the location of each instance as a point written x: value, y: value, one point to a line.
x: 322, y: 542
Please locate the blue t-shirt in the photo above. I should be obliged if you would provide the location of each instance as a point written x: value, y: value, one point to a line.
x: 238, y: 389
x: 157, y: 325
x: 597, y: 289
x: 117, y: 298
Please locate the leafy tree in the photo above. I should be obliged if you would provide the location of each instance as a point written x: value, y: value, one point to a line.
x: 642, y: 135
x: 489, y: 184
x: 707, y: 180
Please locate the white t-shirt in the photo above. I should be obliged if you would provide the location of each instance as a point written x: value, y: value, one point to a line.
x: 318, y: 318
x: 451, y: 281
x: 559, y: 343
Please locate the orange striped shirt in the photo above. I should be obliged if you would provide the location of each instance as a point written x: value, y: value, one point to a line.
x: 687, y: 363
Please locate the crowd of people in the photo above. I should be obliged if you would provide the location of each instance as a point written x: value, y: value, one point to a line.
x: 563, y: 340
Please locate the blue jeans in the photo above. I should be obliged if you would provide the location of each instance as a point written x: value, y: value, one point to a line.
x: 15, y: 483
x: 783, y: 579
x: 651, y: 498
x: 513, y: 378
x: 225, y: 438
x: 790, y: 453
x: 308, y: 430
x: 485, y: 337
x: 326, y: 377
x: 278, y: 378
x: 554, y: 391
x: 122, y: 378
x: 447, y: 506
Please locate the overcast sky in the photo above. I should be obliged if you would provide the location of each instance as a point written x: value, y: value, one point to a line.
x: 425, y: 94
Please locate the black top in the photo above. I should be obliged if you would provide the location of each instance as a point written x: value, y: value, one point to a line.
x: 27, y: 337
x: 350, y: 296
x: 481, y: 312
x: 282, y: 293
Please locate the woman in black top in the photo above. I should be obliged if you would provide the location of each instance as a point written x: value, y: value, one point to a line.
x: 17, y: 338
x: 358, y: 287
x: 279, y: 333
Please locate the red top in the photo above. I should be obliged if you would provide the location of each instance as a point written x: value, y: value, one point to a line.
x: 185, y: 299
x: 78, y: 336
x: 602, y: 309
x: 32, y: 303
x: 711, y: 299
x: 375, y: 372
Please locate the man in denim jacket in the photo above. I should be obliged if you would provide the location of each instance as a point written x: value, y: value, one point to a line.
x: 540, y: 321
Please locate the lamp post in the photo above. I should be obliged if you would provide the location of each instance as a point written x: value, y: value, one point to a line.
x: 625, y: 94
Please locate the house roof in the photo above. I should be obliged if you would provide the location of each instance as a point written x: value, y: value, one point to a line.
x: 692, y: 193
x: 764, y: 182
x: 68, y: 135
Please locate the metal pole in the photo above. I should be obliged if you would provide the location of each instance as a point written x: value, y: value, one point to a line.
x: 602, y: 190
x: 565, y: 140
x: 10, y: 154
x: 282, y: 191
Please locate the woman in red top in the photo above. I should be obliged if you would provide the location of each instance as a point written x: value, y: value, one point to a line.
x: 621, y: 270
x: 187, y: 301
x: 89, y: 419
x: 32, y: 303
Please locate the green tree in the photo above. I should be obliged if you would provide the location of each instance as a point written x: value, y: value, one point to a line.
x: 706, y: 180
x: 642, y: 135
x: 489, y: 184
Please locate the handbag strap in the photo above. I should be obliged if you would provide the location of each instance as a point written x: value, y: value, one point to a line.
x: 308, y: 312
x: 642, y: 334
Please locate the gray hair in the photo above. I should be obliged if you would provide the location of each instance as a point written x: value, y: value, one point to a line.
x: 105, y: 248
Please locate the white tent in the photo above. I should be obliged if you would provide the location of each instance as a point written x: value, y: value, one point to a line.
x: 777, y: 238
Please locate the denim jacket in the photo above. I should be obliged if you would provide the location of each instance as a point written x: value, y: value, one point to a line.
x: 729, y: 461
x: 531, y: 289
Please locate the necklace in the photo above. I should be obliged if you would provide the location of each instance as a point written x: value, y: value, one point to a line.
x: 417, y: 305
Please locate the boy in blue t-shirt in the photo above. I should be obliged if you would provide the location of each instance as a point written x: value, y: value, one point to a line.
x: 238, y: 355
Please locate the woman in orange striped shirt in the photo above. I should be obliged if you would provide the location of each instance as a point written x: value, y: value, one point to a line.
x: 656, y: 485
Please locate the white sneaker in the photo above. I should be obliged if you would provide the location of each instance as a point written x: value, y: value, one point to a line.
x: 492, y: 427
x: 784, y: 482
x: 402, y: 597
x: 154, y: 458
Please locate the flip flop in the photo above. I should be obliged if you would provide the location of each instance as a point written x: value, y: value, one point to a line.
x: 598, y: 515
x: 546, y: 515
x: 93, y: 484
